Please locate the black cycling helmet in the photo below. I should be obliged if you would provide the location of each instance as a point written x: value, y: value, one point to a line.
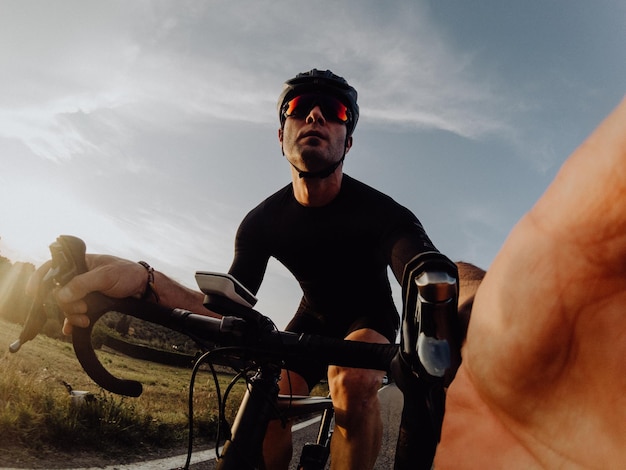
x: 325, y: 82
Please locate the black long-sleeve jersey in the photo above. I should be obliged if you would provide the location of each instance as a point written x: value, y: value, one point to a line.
x: 339, y: 253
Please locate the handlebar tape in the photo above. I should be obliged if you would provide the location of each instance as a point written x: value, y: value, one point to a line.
x: 275, y: 344
x: 98, y: 305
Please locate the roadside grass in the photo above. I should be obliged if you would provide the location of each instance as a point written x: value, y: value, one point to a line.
x: 36, y: 410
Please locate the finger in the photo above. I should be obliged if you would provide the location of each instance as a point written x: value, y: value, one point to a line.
x: 70, y: 321
x: 81, y: 285
x: 81, y: 321
x: 78, y: 307
x: 67, y: 328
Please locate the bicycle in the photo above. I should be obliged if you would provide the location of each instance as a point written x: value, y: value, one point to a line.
x: 427, y: 352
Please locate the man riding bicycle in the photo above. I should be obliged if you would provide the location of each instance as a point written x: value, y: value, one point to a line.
x: 336, y: 235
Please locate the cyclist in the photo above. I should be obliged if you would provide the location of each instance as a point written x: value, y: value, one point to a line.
x: 543, y: 380
x: 335, y: 234
x: 542, y: 384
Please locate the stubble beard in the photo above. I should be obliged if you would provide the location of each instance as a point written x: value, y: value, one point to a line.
x: 315, y: 156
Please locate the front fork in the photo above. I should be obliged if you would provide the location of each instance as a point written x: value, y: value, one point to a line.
x: 429, y: 355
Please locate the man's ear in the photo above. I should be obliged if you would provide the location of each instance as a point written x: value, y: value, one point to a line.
x: 348, y: 144
x: 280, y: 135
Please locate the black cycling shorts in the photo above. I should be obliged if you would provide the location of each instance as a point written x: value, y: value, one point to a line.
x: 304, y: 322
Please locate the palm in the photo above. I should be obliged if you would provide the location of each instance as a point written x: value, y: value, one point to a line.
x: 543, y: 383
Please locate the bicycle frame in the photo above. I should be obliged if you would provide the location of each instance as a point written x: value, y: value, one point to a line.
x: 260, y: 404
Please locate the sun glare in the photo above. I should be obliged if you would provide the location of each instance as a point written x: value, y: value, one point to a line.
x: 32, y: 217
x: 13, y: 279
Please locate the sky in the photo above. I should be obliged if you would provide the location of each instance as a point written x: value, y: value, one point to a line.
x: 149, y: 128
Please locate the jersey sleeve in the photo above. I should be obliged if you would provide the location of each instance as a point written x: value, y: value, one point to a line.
x: 251, y: 252
x: 407, y: 241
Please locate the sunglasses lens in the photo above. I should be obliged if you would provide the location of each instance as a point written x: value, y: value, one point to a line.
x: 296, y: 106
x: 341, y: 110
x: 331, y: 107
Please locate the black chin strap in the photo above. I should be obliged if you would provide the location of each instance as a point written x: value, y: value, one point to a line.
x: 325, y: 173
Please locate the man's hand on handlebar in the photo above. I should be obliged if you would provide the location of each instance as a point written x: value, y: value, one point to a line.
x: 112, y: 276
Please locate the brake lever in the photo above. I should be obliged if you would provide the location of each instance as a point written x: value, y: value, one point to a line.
x: 35, y: 320
x: 68, y: 261
x: 430, y: 337
x: 429, y: 356
x: 62, y: 269
x: 69, y: 253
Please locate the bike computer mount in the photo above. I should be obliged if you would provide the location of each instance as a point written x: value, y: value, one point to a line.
x: 224, y: 285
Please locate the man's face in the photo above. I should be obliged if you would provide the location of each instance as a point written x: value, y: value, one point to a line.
x: 313, y: 138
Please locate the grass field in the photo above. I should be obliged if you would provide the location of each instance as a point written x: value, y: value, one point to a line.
x: 40, y: 428
x: 36, y: 414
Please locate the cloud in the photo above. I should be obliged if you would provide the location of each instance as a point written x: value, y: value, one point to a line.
x: 160, y: 64
x: 148, y: 112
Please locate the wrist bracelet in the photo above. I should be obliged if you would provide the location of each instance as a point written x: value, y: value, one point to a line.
x: 150, y: 290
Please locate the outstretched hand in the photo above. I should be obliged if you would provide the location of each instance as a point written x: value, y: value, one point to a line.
x: 112, y: 276
x: 543, y: 379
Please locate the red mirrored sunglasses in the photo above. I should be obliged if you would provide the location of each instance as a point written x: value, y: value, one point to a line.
x: 331, y: 107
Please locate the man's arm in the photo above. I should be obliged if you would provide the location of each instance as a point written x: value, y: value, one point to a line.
x: 117, y: 278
